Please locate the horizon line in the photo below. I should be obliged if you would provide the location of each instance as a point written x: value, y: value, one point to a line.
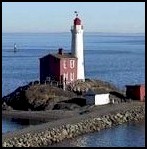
x: 85, y: 32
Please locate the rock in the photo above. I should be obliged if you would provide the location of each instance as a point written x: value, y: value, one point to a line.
x: 119, y: 115
x: 64, y: 132
x: 35, y: 97
x: 80, y: 86
x: 6, y: 107
x: 4, y: 144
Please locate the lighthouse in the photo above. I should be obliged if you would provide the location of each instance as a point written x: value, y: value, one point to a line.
x: 77, y: 46
x: 62, y: 67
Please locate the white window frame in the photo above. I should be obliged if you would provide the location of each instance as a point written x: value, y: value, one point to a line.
x: 72, y: 76
x: 65, y: 75
x: 64, y: 64
x: 72, y: 64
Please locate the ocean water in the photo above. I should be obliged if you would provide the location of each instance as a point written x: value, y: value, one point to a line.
x: 13, y: 124
x: 124, y: 135
x: 117, y: 58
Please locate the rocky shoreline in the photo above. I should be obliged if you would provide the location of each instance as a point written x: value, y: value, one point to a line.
x: 53, y: 132
x: 42, y: 97
x: 65, y: 113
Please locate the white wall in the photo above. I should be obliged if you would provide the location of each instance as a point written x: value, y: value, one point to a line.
x: 101, y: 99
x: 98, y: 99
x: 77, y: 50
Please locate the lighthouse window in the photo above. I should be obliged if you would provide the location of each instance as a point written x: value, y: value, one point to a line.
x: 72, y: 63
x: 65, y: 76
x: 71, y: 76
x: 64, y: 64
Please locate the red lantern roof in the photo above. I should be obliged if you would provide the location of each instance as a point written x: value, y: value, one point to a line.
x: 77, y: 21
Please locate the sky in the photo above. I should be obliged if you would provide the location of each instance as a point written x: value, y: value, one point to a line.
x: 45, y: 17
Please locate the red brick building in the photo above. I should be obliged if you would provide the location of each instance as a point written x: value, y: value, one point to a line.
x: 136, y: 92
x: 61, y: 67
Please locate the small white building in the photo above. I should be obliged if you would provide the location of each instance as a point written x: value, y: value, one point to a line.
x: 97, y: 97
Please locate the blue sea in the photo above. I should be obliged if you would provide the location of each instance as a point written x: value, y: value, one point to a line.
x: 118, y: 58
x: 124, y: 135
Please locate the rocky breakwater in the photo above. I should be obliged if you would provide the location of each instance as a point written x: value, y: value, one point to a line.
x: 70, y: 129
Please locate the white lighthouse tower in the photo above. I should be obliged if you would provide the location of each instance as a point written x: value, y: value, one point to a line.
x: 77, y: 46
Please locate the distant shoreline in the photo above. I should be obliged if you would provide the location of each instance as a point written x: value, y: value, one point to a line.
x: 107, y: 33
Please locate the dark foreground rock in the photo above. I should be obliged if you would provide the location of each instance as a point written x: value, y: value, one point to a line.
x: 6, y: 107
x: 38, y: 97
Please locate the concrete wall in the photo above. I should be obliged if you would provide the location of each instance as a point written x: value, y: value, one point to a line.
x: 102, y: 99
x: 98, y: 99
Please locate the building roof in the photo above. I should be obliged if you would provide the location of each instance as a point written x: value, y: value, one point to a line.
x: 57, y: 55
x: 96, y: 91
x: 136, y: 85
x: 63, y: 55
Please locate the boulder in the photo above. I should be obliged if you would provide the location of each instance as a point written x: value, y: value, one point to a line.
x: 35, y: 97
x: 6, y: 107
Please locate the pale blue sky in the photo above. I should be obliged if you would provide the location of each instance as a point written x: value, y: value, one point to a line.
x: 58, y: 16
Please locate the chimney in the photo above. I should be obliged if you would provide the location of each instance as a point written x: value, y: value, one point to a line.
x: 60, y: 51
